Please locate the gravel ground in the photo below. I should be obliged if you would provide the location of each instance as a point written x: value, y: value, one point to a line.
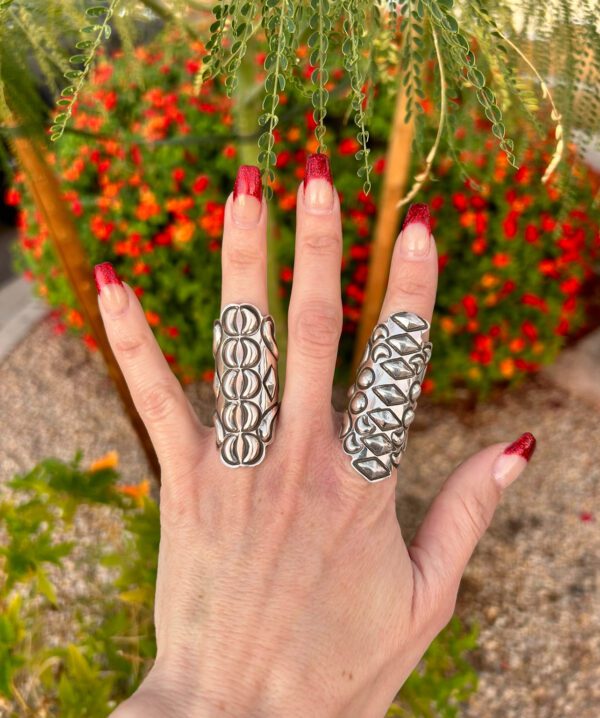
x: 533, y: 584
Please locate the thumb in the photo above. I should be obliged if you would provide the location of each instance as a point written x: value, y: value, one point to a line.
x: 458, y: 518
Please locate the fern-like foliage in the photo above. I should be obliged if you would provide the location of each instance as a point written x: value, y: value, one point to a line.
x: 93, y: 35
x: 545, y: 61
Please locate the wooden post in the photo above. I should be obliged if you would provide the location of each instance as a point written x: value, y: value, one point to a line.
x: 45, y: 189
x: 397, y: 166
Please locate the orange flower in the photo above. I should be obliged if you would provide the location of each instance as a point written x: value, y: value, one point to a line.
x: 183, y: 232
x: 152, y: 318
x: 507, y: 368
x: 75, y: 319
x: 137, y: 491
x: 489, y: 280
x: 108, y: 461
x: 474, y: 373
x: 447, y: 324
x: 294, y: 134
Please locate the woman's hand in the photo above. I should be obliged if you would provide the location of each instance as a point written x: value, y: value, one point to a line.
x: 286, y: 589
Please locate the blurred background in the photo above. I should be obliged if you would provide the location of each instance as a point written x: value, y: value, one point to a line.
x: 122, y: 128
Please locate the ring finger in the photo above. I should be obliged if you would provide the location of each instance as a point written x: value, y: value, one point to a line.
x: 388, y: 383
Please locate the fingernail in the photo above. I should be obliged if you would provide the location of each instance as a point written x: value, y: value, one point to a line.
x: 415, y: 238
x: 318, y: 184
x: 247, y: 196
x: 511, y: 462
x: 110, y: 288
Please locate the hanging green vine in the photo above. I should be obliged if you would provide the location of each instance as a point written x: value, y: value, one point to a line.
x: 278, y: 24
x: 354, y: 24
x: 382, y: 45
x: 95, y: 34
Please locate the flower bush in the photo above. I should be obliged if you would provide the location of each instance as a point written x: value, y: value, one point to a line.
x: 148, y: 169
x: 96, y: 657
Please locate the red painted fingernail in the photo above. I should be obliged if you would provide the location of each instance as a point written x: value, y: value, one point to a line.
x: 247, y: 196
x: 248, y: 182
x: 105, y: 274
x: 418, y: 213
x: 318, y: 167
x: 513, y: 460
x: 524, y: 446
x: 415, y: 238
x: 318, y: 184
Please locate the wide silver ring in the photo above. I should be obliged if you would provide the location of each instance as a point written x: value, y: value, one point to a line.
x: 246, y: 384
x: 383, y: 399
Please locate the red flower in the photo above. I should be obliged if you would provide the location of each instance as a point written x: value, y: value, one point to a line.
x: 459, y: 200
x: 529, y: 330
x: 229, y: 151
x: 443, y: 260
x: 348, y: 146
x: 570, y: 286
x: 359, y: 252
x: 178, y: 174
x: 531, y: 233
x: 479, y: 245
x: 286, y: 274
x: 436, y: 202
x: 379, y: 166
x: 12, y: 197
x: 501, y: 260
x: 200, y: 184
x: 173, y: 332
x: 509, y: 225
x: 469, y: 302
x: 547, y: 223
x: 532, y: 300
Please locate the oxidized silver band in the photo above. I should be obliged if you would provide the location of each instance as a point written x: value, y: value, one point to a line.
x: 246, y: 384
x: 384, y: 396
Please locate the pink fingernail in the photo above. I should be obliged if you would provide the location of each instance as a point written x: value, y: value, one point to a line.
x: 513, y: 460
x: 318, y: 184
x: 110, y: 288
x: 415, y: 238
x: 247, y: 196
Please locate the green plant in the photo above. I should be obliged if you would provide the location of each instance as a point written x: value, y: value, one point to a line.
x: 475, y: 45
x: 148, y: 171
x: 106, y: 643
x: 444, y: 680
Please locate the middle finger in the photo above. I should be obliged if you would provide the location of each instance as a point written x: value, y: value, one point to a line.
x: 315, y: 311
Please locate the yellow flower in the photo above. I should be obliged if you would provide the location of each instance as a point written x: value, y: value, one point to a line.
x: 474, y: 373
x: 108, y: 461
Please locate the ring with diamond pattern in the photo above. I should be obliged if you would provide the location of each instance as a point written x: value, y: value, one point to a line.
x: 246, y: 384
x: 384, y: 396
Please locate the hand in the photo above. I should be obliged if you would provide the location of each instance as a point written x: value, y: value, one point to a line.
x: 286, y: 589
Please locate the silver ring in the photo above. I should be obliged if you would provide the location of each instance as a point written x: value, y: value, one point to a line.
x: 384, y: 396
x: 246, y: 384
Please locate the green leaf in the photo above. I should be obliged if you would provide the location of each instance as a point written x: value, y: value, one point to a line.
x: 96, y: 11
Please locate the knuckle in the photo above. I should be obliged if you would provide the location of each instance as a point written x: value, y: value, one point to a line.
x: 444, y: 612
x: 317, y: 329
x: 476, y: 515
x: 159, y: 402
x: 412, y: 287
x: 239, y: 253
x: 129, y: 348
x: 322, y: 244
